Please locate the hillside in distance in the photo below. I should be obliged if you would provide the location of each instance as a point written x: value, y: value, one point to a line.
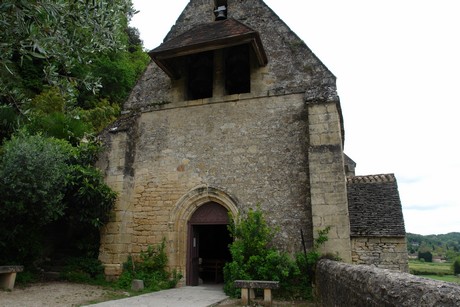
x: 444, y: 245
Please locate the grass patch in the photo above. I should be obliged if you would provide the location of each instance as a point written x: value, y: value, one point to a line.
x: 434, y: 270
x: 112, y: 295
x: 430, y: 268
x: 448, y: 278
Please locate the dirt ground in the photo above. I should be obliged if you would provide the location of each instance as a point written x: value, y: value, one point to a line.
x: 65, y: 294
x: 54, y: 294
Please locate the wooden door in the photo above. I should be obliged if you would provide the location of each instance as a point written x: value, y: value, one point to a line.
x: 208, y: 214
x: 193, y: 264
x: 194, y: 256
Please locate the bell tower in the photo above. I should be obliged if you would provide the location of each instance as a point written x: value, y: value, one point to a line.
x: 213, y: 59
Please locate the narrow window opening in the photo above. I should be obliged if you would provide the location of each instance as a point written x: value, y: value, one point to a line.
x: 200, y: 75
x: 237, y: 70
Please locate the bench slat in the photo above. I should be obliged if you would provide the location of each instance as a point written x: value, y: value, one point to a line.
x: 11, y: 269
x: 257, y: 284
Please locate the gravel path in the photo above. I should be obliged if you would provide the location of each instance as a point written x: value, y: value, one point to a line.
x: 52, y: 294
x: 65, y: 294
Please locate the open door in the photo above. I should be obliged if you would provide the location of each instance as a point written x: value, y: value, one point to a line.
x: 208, y: 240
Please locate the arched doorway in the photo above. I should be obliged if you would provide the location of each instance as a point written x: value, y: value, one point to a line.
x: 207, y: 248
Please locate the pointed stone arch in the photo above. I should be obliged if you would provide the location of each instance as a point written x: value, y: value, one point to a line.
x: 181, y: 214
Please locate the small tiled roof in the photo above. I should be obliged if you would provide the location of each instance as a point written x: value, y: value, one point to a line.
x: 374, y: 206
x: 372, y: 178
x: 205, y: 37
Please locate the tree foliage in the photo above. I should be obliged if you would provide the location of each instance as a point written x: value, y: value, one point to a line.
x: 57, y: 36
x: 65, y: 69
x: 83, y: 49
x: 88, y: 200
x: 425, y: 256
x: 33, y: 174
x: 443, y: 245
x: 456, y: 266
x: 43, y: 181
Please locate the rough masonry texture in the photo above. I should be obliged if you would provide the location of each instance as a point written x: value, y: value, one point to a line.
x: 340, y: 284
x: 272, y: 138
x: 377, y: 229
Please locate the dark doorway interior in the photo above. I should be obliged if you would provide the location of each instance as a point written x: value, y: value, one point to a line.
x: 213, y: 251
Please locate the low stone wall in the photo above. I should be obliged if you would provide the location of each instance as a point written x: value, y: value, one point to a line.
x: 340, y: 284
x: 384, y: 252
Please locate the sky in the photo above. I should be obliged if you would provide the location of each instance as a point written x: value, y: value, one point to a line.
x: 397, y: 64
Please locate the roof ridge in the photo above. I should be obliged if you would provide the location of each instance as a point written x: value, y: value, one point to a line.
x: 378, y: 178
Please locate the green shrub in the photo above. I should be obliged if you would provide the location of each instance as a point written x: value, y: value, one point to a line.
x: 456, y: 266
x: 151, y: 269
x: 83, y: 270
x: 26, y: 277
x: 33, y: 174
x: 427, y: 256
x: 51, y: 198
x: 253, y: 258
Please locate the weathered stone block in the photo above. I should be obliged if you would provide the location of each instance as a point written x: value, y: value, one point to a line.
x: 137, y: 285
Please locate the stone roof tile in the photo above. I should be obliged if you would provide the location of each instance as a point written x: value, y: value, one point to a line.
x: 381, y: 178
x: 205, y: 33
x: 207, y: 37
x: 374, y: 206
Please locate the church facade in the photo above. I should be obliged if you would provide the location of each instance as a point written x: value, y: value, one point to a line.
x: 235, y: 111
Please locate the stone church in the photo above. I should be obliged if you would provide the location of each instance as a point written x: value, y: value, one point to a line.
x: 235, y: 111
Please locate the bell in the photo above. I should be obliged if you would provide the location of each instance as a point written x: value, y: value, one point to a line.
x: 221, y: 13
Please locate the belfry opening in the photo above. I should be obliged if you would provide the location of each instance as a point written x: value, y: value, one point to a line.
x: 208, y: 244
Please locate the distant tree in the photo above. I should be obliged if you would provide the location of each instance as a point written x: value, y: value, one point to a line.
x: 444, y: 245
x: 456, y: 266
x: 426, y: 256
x: 134, y: 39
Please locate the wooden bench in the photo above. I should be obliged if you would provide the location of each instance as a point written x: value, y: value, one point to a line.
x: 248, y: 286
x: 8, y: 275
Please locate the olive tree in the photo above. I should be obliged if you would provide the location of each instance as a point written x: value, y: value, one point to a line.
x: 57, y: 36
x: 46, y: 184
x: 33, y: 175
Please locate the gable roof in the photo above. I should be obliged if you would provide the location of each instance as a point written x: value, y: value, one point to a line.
x: 206, y: 37
x: 292, y: 67
x: 374, y: 206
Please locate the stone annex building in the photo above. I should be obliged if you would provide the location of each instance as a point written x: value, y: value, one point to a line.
x: 234, y: 111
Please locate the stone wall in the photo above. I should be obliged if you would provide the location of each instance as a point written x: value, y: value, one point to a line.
x: 376, y: 222
x: 383, y: 252
x: 253, y: 150
x: 327, y: 177
x: 340, y: 284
